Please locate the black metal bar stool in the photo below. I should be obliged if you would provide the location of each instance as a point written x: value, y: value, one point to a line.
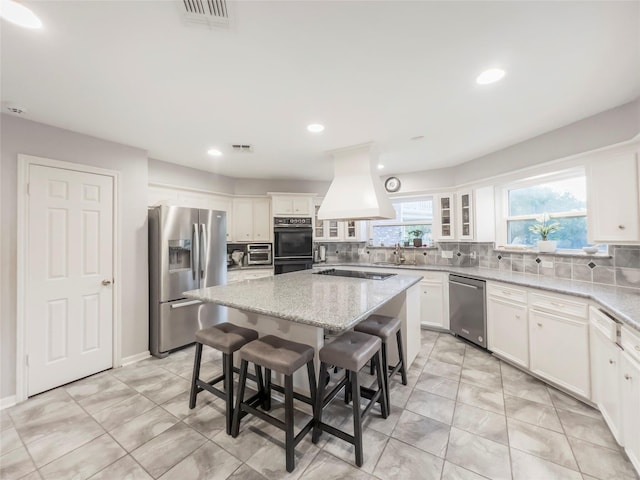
x: 226, y: 338
x: 384, y: 327
x: 351, y: 351
x: 285, y: 357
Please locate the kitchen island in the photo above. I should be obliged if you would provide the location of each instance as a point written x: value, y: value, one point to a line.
x: 304, y: 307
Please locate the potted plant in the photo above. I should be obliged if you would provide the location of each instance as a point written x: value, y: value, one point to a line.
x: 543, y: 228
x: 417, y: 237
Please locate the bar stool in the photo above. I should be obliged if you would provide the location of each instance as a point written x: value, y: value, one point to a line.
x: 285, y: 357
x: 384, y: 327
x: 226, y: 338
x: 351, y: 351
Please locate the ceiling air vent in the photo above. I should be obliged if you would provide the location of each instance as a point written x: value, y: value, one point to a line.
x: 239, y: 148
x: 212, y: 12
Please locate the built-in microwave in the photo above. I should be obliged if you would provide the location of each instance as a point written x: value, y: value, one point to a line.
x: 259, y: 254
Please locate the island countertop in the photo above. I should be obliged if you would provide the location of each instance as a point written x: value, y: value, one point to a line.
x: 333, y: 303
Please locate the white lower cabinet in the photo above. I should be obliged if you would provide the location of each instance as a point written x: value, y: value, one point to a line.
x: 507, y: 323
x: 434, y: 301
x: 630, y: 393
x: 605, y: 370
x: 559, y: 350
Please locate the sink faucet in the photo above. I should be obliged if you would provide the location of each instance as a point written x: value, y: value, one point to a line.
x: 399, y: 254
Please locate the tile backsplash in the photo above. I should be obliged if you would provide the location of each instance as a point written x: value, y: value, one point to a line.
x: 620, y: 268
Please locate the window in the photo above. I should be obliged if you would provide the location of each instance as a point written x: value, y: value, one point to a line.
x: 411, y: 215
x: 564, y: 198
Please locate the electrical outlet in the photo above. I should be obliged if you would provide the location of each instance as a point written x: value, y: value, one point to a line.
x: 547, y: 264
x: 447, y: 253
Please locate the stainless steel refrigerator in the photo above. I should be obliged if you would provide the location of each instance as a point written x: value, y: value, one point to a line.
x: 187, y: 250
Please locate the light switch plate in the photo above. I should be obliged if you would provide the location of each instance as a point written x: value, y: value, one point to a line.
x: 447, y: 254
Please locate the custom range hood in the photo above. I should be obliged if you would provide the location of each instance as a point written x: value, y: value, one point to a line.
x: 356, y: 192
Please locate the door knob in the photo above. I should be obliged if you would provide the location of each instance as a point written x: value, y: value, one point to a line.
x: 106, y: 283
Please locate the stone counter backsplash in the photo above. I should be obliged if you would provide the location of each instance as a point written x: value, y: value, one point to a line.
x: 620, y: 268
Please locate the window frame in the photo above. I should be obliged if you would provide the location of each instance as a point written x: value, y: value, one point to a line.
x: 502, y: 210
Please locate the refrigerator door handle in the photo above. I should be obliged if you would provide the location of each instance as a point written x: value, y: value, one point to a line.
x: 195, y: 250
x: 203, y: 253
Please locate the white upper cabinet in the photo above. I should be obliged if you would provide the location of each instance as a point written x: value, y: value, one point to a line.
x: 292, y: 205
x: 338, y: 230
x: 613, y: 201
x: 252, y: 220
x: 468, y: 215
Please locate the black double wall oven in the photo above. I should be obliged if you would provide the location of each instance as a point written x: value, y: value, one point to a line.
x: 293, y: 244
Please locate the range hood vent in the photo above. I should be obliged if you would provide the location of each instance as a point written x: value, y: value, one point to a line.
x: 242, y: 148
x: 211, y: 12
x: 356, y: 192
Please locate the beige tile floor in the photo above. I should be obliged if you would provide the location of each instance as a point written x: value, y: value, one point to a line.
x: 464, y: 415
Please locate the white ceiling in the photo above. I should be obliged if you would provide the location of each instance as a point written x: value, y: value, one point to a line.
x: 383, y: 71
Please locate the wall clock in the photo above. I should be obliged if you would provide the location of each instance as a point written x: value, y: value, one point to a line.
x: 392, y: 184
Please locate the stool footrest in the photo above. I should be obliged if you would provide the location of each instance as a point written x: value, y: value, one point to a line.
x: 276, y: 422
x: 338, y: 433
x: 296, y: 395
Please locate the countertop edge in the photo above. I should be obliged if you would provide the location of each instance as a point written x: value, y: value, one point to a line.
x: 486, y: 274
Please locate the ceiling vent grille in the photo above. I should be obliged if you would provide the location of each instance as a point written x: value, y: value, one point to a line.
x: 239, y: 148
x: 212, y: 12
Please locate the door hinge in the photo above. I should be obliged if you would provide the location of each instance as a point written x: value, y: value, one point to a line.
x: 28, y: 188
x: 26, y: 360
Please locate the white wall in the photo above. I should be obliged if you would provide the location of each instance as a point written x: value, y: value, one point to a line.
x: 23, y: 136
x: 164, y: 173
x: 606, y: 128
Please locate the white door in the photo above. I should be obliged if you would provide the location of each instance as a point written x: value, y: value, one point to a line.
x: 69, y: 307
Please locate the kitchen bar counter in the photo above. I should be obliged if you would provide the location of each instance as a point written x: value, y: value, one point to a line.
x: 332, y: 303
x: 622, y: 303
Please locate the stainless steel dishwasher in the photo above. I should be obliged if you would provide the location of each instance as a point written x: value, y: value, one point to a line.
x: 468, y: 309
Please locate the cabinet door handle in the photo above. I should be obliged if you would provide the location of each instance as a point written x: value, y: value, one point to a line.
x: 627, y: 376
x: 517, y: 316
x: 611, y: 362
x: 539, y: 324
x: 621, y: 227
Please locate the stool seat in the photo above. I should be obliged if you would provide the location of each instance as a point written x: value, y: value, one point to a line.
x: 278, y: 354
x: 226, y: 337
x: 380, y: 326
x: 350, y: 351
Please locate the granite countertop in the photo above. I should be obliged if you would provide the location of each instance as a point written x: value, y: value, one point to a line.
x: 333, y: 303
x: 621, y: 303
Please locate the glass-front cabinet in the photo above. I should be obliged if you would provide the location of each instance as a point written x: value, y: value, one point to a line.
x: 337, y: 230
x: 446, y: 216
x: 465, y: 230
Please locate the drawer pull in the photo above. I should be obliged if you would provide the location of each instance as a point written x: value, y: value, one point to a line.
x: 557, y: 304
x: 611, y: 362
x: 539, y: 324
x: 621, y: 227
x: 517, y: 316
x: 627, y: 376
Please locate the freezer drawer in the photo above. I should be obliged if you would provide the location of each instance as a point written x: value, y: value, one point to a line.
x: 180, y: 320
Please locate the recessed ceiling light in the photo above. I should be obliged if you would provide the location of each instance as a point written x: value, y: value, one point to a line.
x: 490, y: 76
x: 214, y: 152
x: 18, y: 14
x: 380, y: 166
x: 315, y: 128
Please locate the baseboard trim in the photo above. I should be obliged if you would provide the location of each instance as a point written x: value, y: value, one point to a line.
x: 7, y: 402
x: 135, y: 358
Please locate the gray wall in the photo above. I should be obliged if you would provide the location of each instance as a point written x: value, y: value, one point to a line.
x: 23, y: 136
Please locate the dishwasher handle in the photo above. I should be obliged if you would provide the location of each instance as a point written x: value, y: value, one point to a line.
x: 464, y: 284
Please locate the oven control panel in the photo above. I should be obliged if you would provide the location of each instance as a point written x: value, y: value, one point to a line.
x: 292, y: 221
